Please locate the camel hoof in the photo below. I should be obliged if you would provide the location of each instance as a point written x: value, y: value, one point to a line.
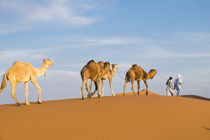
x: 89, y: 96
x: 18, y: 104
x: 27, y: 103
x: 83, y: 98
x: 39, y: 102
x: 113, y: 94
x: 92, y: 93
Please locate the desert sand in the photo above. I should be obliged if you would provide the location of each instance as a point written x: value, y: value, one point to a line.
x: 129, y: 117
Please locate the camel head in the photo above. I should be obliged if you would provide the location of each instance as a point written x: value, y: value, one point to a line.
x: 151, y: 74
x: 114, y: 67
x: 47, y: 62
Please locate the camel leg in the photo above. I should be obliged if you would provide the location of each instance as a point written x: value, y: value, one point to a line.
x: 13, y: 85
x: 84, y: 82
x: 26, y: 93
x: 98, y: 88
x: 39, y: 89
x: 102, y: 88
x: 90, y: 94
x: 145, y: 82
x: 125, y: 87
x: 86, y: 87
x: 91, y: 84
x: 110, y: 83
x: 132, y: 83
x: 138, y: 82
x: 93, y: 93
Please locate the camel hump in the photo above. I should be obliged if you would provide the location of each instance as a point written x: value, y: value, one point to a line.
x: 90, y: 61
x: 17, y: 62
x: 134, y: 65
x: 101, y: 64
x: 107, y: 63
x: 21, y: 64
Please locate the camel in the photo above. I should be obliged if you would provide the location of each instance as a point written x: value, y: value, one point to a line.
x: 21, y: 72
x: 95, y: 72
x: 137, y: 73
x: 109, y: 75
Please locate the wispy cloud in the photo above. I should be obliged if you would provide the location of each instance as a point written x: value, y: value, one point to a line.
x: 149, y: 47
x: 160, y: 52
x: 25, y: 55
x: 23, y: 15
x: 21, y: 53
x: 116, y: 41
x: 71, y: 42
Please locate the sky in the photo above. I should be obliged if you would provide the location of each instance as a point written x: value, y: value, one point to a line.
x: 171, y: 36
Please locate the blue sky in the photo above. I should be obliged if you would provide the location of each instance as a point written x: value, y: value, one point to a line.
x: 171, y: 36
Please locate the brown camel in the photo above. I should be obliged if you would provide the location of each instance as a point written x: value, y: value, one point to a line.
x: 109, y: 75
x: 138, y: 73
x: 23, y: 73
x: 95, y: 72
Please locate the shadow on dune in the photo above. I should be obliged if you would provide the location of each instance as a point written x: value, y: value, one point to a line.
x: 207, y: 128
x: 196, y: 97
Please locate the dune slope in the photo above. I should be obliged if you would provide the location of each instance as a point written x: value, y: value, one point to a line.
x: 121, y: 117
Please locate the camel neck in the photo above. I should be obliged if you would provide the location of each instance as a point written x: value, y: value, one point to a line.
x: 42, y: 70
x: 106, y: 70
x: 148, y: 76
x: 113, y: 72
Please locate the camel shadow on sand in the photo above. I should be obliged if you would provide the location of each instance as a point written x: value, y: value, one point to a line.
x: 196, y: 97
x: 207, y: 128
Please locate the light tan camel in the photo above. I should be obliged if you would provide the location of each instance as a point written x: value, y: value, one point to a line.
x: 23, y: 73
x: 95, y: 72
x: 138, y: 73
x: 108, y: 75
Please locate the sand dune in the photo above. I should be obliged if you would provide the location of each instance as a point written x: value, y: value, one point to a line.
x: 109, y: 118
x: 196, y: 97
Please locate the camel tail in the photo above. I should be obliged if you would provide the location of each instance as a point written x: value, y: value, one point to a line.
x: 82, y: 73
x: 127, y: 77
x: 4, y: 83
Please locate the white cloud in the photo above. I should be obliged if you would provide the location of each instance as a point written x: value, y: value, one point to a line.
x: 72, y: 42
x: 24, y: 15
x: 20, y: 53
x: 149, y: 48
x: 116, y: 41
x: 25, y: 55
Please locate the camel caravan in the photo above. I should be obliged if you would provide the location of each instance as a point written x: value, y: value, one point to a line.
x: 21, y: 72
x: 100, y: 71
